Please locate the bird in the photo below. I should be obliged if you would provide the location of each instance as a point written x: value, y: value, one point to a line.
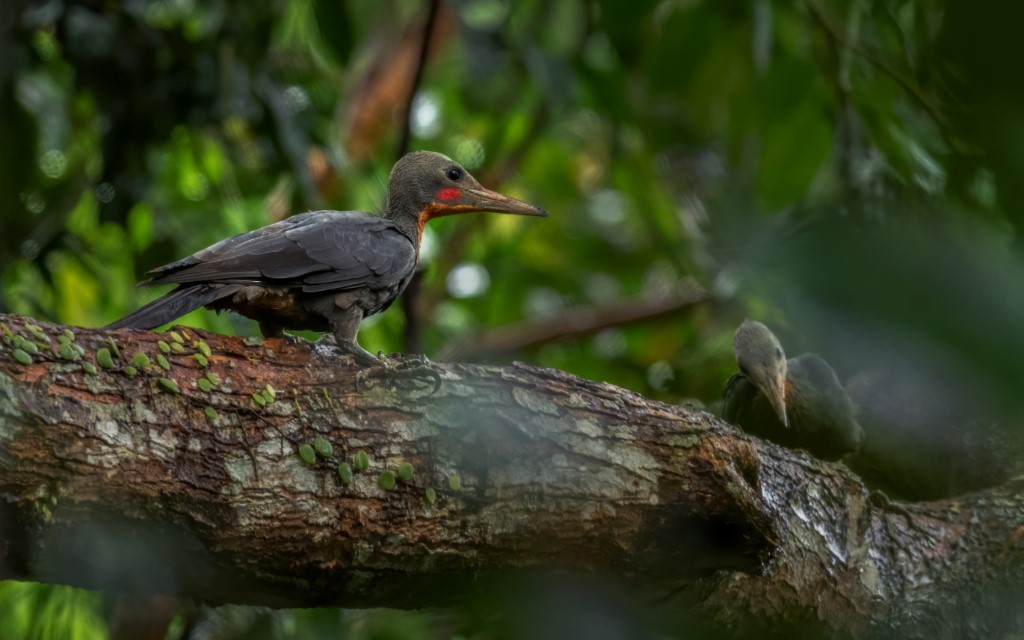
x: 797, y: 403
x: 324, y: 270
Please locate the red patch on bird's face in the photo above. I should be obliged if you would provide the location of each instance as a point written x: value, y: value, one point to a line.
x: 449, y: 194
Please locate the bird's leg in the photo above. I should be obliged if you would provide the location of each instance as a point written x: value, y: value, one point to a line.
x: 270, y: 330
x: 345, y: 326
x: 345, y: 319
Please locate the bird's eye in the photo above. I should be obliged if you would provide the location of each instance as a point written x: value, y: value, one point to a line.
x: 455, y: 174
x: 778, y: 353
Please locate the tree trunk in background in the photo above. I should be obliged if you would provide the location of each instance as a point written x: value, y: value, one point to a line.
x: 154, y: 483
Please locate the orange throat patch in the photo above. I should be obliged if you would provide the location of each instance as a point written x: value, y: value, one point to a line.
x: 436, y: 210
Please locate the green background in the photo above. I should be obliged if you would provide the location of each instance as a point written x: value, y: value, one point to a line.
x: 848, y: 172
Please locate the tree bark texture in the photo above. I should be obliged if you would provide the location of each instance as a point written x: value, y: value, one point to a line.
x: 162, y: 482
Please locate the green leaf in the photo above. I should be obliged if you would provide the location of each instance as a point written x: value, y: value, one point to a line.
x: 67, y: 352
x: 205, y: 385
x: 168, y: 385
x: 405, y: 472
x: 386, y: 480
x: 163, y: 362
x: 164, y: 347
x: 210, y: 412
x: 27, y: 346
x: 430, y: 496
x: 361, y: 461
x: 103, y: 358
x: 307, y: 454
x: 21, y: 356
x: 140, y: 360
x: 323, y: 447
x: 454, y: 482
x: 345, y: 473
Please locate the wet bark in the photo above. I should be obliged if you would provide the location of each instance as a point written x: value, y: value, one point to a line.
x: 128, y: 482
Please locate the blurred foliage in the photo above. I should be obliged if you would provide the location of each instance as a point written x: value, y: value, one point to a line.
x: 36, y: 611
x: 784, y: 155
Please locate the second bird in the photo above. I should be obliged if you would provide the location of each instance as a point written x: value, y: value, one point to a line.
x: 324, y: 270
x: 797, y: 403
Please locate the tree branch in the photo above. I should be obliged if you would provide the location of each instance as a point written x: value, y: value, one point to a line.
x: 576, y: 322
x: 112, y: 481
x: 412, y: 334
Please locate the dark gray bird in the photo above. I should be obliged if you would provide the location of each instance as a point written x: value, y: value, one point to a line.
x: 797, y: 403
x: 324, y: 270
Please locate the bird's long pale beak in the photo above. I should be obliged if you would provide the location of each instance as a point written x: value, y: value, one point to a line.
x: 777, y: 397
x: 482, y: 199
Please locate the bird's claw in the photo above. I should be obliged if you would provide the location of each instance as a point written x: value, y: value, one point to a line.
x: 295, y: 340
x: 399, y: 370
x: 326, y: 339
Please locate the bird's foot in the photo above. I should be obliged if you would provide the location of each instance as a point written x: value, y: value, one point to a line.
x: 409, y: 372
x: 404, y: 361
x: 362, y: 357
x: 293, y: 340
x: 326, y: 339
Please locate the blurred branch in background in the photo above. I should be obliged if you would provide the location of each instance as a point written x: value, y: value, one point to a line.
x: 572, y: 323
x: 380, y: 103
x: 412, y: 334
x: 405, y: 137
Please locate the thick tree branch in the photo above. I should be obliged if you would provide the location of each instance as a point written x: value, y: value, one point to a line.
x: 111, y: 481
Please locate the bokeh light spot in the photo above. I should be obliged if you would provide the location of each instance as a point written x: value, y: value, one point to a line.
x: 468, y: 280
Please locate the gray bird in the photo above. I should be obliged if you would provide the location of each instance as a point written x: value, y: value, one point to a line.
x: 797, y: 403
x: 324, y: 270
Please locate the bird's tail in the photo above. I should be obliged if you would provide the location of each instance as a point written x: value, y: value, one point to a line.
x: 172, y: 305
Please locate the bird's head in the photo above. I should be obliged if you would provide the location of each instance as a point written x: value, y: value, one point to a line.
x: 761, y: 358
x: 426, y: 185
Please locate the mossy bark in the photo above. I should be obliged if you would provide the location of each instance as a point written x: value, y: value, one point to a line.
x: 125, y: 482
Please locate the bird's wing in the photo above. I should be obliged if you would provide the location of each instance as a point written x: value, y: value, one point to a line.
x: 316, y: 251
x: 736, y: 398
